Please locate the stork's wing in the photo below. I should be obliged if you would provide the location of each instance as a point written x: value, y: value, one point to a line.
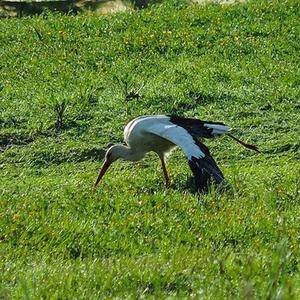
x: 200, y: 161
x: 206, y: 129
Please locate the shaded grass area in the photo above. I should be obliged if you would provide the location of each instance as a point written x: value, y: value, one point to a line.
x: 69, y: 85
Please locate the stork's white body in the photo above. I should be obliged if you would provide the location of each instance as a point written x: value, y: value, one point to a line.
x: 161, y: 134
x: 139, y: 137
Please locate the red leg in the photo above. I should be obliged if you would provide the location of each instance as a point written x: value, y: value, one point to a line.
x: 167, y: 178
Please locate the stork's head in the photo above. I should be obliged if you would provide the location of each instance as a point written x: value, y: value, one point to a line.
x: 112, y: 154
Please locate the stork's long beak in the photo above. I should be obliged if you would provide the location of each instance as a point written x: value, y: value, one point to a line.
x: 103, y: 170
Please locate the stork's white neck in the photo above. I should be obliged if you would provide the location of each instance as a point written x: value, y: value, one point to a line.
x: 126, y: 153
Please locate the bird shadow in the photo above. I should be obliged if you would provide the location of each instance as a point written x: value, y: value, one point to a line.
x: 222, y: 188
x: 189, y: 185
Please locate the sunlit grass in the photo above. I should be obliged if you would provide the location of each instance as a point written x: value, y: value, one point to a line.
x: 66, y: 91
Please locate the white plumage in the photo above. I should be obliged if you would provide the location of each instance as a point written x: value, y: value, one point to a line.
x: 158, y: 134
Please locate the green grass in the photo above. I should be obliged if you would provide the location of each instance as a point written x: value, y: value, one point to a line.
x: 66, y: 89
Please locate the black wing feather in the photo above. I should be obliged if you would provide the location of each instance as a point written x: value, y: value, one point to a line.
x: 205, y: 169
x: 194, y: 126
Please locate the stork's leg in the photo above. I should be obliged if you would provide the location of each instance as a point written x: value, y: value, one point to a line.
x: 167, y: 178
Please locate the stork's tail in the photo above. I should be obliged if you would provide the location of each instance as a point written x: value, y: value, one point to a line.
x: 217, y: 128
x: 220, y: 128
x: 249, y: 146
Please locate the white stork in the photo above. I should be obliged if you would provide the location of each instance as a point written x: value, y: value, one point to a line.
x: 161, y: 134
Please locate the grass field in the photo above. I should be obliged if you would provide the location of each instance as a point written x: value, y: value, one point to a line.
x: 68, y: 86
